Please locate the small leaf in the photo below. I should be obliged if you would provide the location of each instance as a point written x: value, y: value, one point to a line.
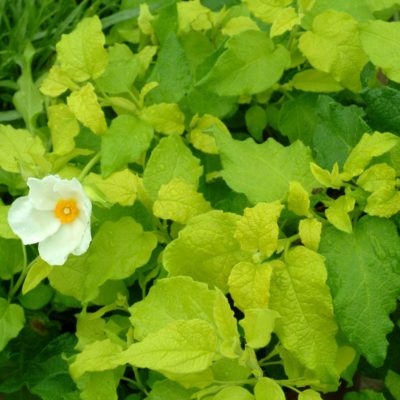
x: 57, y: 82
x: 86, y: 108
x: 81, y: 53
x: 309, y: 394
x: 12, y: 320
x: 233, y: 392
x: 376, y: 177
x: 164, y: 118
x: 338, y: 213
x: 384, y: 202
x: 179, y: 201
x: 310, y: 233
x: 284, y: 21
x: 63, y: 128
x: 298, y: 199
x: 125, y: 141
x: 267, y: 388
x: 313, y: 80
x: 38, y: 271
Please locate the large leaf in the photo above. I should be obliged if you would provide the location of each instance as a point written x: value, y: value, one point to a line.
x: 335, y: 51
x: 364, y: 277
x: 307, y: 327
x: 250, y: 64
x: 12, y: 320
x: 263, y: 171
x: 117, y: 250
x: 206, y: 249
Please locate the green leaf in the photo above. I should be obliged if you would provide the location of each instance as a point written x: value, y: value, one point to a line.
x: 174, y: 78
x: 5, y: 230
x: 179, y: 201
x: 392, y: 382
x: 170, y: 159
x: 250, y: 64
x: 117, y: 250
x: 382, y: 109
x: 270, y: 167
x: 12, y: 320
x: 267, y: 10
x: 36, y: 298
x: 120, y: 187
x: 256, y: 121
x: 27, y: 100
x: 63, y: 128
x: 187, y: 300
x: 57, y: 82
x: 258, y: 325
x: 21, y: 152
x: 339, y: 129
x: 168, y: 390
x: 384, y: 202
x: 165, y: 118
x: 181, y: 347
x: 100, y: 355
x: 206, y: 249
x: 121, y: 71
x: 365, y: 282
x: 380, y: 40
x: 81, y: 53
x: 307, y: 327
x: 364, y: 395
x: 298, y: 199
x: 99, y: 385
x: 298, y: 118
x: 249, y: 284
x: 125, y: 142
x: 313, y: 80
x: 11, y: 258
x: 285, y: 21
x: 370, y: 146
x: 233, y: 392
x: 38, y: 271
x: 338, y: 213
x: 85, y: 106
x: 310, y: 233
x: 338, y: 53
x: 309, y: 394
x: 267, y: 388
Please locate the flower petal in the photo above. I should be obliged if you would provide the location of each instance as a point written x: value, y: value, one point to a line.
x: 56, y: 248
x: 84, y: 244
x: 30, y: 224
x: 41, y: 192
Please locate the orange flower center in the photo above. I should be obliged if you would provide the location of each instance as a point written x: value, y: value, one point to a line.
x: 66, y: 211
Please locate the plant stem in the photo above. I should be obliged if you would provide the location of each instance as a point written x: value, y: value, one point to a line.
x: 89, y: 166
x: 14, y: 288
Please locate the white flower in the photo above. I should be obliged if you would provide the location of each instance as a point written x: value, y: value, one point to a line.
x: 55, y: 214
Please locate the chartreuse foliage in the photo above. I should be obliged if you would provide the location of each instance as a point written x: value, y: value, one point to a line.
x: 243, y: 161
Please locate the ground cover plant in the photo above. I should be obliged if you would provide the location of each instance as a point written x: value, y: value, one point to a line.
x: 200, y: 201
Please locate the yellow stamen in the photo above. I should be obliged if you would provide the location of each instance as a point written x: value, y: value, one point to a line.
x: 66, y: 211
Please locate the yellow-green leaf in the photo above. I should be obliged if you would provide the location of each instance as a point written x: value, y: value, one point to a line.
x: 337, y: 52
x: 179, y: 201
x: 338, y: 213
x: 328, y: 179
x: 81, y: 53
x: 258, y: 230
x: 377, y: 176
x: 200, y: 134
x: 284, y: 21
x: 192, y: 15
x: 384, y: 202
x: 120, y: 187
x: 309, y: 394
x: 57, y: 82
x: 381, y: 41
x: 268, y: 389
x: 86, y: 108
x: 310, y: 232
x: 258, y: 325
x: 5, y: 230
x: 164, y: 118
x: 298, y: 199
x: 267, y: 10
x: 38, y: 271
x: 370, y: 146
x: 313, y: 80
x: 239, y: 24
x: 307, y: 327
x: 249, y: 284
x: 63, y: 128
x: 21, y: 152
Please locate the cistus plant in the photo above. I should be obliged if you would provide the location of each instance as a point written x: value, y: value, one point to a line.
x: 237, y: 164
